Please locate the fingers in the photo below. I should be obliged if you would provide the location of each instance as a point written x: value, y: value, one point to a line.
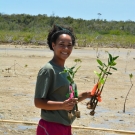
x: 73, y: 100
x: 89, y: 95
x: 70, y: 103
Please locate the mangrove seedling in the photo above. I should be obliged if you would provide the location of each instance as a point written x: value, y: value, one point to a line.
x: 130, y: 76
x: 102, y: 77
x: 73, y: 93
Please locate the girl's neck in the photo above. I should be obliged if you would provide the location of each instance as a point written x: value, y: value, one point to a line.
x: 58, y: 62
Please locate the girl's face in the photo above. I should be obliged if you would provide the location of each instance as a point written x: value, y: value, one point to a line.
x: 63, y: 47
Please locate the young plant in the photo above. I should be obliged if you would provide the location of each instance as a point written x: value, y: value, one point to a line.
x: 73, y: 93
x: 130, y: 76
x: 26, y: 65
x: 102, y: 77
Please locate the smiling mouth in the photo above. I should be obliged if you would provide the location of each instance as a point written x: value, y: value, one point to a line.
x: 64, y: 53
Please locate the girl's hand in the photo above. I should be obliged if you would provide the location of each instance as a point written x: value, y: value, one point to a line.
x: 89, y: 94
x: 93, y: 91
x: 98, y: 96
x: 69, y: 104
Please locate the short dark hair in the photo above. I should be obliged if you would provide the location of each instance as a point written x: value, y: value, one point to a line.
x: 56, y: 31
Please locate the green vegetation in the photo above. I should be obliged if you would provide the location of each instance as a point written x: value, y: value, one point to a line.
x: 28, y: 29
x: 102, y: 77
x: 73, y: 93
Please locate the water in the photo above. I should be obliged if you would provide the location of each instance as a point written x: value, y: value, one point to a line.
x: 25, y: 127
x: 108, y: 118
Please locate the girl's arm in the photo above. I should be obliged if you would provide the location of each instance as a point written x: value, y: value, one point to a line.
x: 55, y: 105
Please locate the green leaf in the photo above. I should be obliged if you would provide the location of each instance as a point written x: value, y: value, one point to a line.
x: 108, y: 61
x: 105, y: 65
x: 76, y: 69
x: 110, y: 57
x: 67, y: 95
x: 62, y: 72
x: 100, y: 74
x: 114, y: 58
x: 100, y: 68
x: 113, y: 63
x: 97, y: 73
x: 72, y: 67
x: 130, y: 75
x: 102, y: 81
x: 109, y: 73
x: 70, y: 71
x: 76, y: 94
x: 113, y: 68
x: 65, y: 69
x: 70, y: 79
x: 26, y: 65
x: 99, y: 62
x: 77, y: 60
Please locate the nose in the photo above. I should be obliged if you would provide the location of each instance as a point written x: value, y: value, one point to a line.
x: 66, y: 47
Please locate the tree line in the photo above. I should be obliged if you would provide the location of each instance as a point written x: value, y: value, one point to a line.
x: 35, y: 24
x: 26, y: 22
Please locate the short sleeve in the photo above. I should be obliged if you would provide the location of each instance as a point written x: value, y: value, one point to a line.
x: 43, y: 84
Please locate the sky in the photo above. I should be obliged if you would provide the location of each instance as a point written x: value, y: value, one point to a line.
x: 111, y: 10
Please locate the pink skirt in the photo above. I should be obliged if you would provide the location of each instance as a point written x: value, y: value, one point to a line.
x: 51, y: 128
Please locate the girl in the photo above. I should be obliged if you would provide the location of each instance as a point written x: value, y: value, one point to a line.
x: 52, y: 87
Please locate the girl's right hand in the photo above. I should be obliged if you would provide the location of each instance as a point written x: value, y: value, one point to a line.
x: 69, y: 104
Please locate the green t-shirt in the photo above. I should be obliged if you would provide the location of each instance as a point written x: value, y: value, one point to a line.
x: 53, y: 86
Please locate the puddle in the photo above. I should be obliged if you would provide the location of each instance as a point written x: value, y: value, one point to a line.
x: 105, y: 125
x: 103, y: 111
x: 1, y: 116
x: 127, y: 72
x: 110, y: 118
x: 25, y: 127
x: 130, y: 111
x: 108, y: 124
x: 113, y: 118
x: 7, y: 128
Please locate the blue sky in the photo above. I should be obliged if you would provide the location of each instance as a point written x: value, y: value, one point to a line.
x: 119, y: 10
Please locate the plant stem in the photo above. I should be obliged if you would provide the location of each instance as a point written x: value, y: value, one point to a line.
x: 127, y: 96
x: 94, y: 100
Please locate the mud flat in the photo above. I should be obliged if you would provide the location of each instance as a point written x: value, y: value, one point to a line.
x: 18, y: 71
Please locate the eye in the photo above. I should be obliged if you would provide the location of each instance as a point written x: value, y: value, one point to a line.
x: 70, y: 46
x: 61, y: 45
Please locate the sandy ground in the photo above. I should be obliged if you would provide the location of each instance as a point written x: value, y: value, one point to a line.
x: 18, y: 71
